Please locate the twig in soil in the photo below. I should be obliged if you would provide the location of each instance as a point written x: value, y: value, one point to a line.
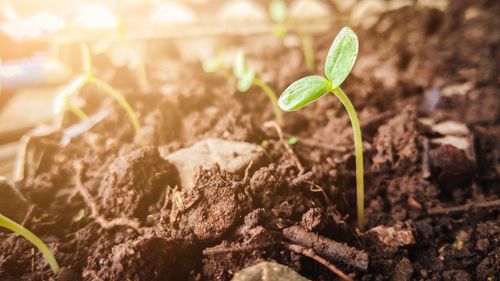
x: 290, y: 151
x: 463, y: 208
x: 236, y: 248
x: 310, y: 253
x: 246, y: 177
x: 304, y: 178
x: 316, y: 188
x: 89, y: 200
x: 327, y: 247
x: 28, y: 214
x: 313, y: 143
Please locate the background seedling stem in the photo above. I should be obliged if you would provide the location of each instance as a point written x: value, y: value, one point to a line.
x: 247, y: 77
x: 272, y: 97
x: 63, y: 99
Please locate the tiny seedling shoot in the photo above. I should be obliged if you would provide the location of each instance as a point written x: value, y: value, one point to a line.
x: 338, y: 65
x: 63, y: 99
x: 215, y: 63
x: 278, y: 12
x: 19, y: 229
x: 247, y: 77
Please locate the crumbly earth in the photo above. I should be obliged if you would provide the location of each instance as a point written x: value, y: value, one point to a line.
x: 113, y: 210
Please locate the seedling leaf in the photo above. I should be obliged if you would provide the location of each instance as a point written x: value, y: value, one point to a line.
x: 215, y: 63
x: 292, y: 140
x: 304, y: 91
x: 278, y: 10
x: 21, y: 230
x: 212, y: 65
x: 341, y: 56
x: 246, y: 81
x: 62, y: 100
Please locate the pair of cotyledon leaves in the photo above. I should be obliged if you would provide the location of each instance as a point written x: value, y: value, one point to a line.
x: 338, y: 65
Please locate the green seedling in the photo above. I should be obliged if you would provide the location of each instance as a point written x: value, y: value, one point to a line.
x: 247, y: 77
x: 19, y: 229
x: 338, y: 65
x: 278, y: 12
x: 63, y: 100
x: 215, y: 63
x: 292, y: 141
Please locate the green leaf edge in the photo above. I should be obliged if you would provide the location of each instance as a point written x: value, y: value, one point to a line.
x: 337, y: 52
x: 290, y: 102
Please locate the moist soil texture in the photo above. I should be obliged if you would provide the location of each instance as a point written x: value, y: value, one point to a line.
x: 426, y: 87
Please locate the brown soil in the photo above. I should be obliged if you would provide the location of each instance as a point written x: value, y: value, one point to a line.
x: 416, y: 67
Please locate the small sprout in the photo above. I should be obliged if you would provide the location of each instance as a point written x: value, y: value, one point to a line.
x: 292, y: 141
x: 63, y: 101
x: 278, y: 12
x: 338, y: 65
x: 216, y: 63
x: 264, y: 143
x: 19, y: 229
x: 79, y: 216
x: 247, y: 77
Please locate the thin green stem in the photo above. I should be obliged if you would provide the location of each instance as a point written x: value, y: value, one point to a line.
x: 272, y: 97
x: 19, y: 229
x: 66, y: 94
x: 120, y: 99
x: 76, y: 111
x: 308, y: 51
x: 358, y: 151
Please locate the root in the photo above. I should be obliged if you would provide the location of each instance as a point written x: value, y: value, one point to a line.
x: 316, y: 188
x: 94, y: 211
x: 310, y: 253
x: 285, y: 144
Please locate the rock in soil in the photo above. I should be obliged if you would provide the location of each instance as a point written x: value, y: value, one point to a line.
x: 268, y: 271
x: 230, y: 156
x: 12, y: 203
x: 393, y: 237
x: 451, y: 167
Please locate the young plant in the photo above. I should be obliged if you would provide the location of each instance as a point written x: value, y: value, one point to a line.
x: 215, y: 63
x: 278, y: 12
x: 63, y: 100
x: 338, y: 65
x: 247, y: 77
x: 19, y: 229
